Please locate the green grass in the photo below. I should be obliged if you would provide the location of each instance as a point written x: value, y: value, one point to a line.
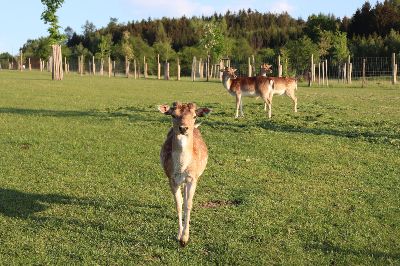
x: 81, y: 183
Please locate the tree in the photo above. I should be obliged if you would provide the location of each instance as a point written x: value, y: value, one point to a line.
x: 339, y: 49
x: 212, y: 39
x: 164, y: 49
x: 69, y: 32
x: 299, y: 53
x: 104, y: 50
x: 55, y: 38
x: 88, y: 28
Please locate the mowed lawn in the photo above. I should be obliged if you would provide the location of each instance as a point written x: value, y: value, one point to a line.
x: 81, y: 182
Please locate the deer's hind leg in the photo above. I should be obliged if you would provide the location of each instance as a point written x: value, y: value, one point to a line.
x: 268, y: 102
x: 290, y: 94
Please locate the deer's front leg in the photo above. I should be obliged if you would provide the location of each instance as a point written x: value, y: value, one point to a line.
x: 238, y: 99
x: 178, y: 203
x: 189, y: 190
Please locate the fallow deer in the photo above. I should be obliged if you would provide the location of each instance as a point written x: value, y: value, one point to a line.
x: 281, y: 85
x: 247, y: 87
x: 183, y: 157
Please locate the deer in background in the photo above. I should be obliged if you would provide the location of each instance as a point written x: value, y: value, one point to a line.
x: 247, y: 87
x: 183, y: 157
x: 281, y: 85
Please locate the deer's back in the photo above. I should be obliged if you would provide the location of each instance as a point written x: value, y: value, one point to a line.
x: 284, y: 83
x: 250, y: 85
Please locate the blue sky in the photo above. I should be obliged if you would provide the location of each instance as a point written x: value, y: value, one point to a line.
x: 24, y: 15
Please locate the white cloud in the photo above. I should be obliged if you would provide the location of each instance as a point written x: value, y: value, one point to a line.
x: 168, y: 8
x: 281, y: 6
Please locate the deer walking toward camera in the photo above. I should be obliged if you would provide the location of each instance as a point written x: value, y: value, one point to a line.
x: 183, y: 157
x: 247, y: 87
x: 281, y: 85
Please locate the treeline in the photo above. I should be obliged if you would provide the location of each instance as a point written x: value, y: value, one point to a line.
x: 371, y: 31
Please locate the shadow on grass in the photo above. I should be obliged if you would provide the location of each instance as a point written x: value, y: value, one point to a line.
x: 270, y: 125
x: 376, y: 136
x: 328, y: 248
x: 22, y: 205
x: 132, y: 113
x: 14, y: 203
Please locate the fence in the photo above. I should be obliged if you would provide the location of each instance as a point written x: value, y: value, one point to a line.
x: 322, y: 70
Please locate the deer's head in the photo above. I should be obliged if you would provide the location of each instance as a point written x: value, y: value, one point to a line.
x: 265, y: 69
x: 183, y: 116
x: 228, y: 72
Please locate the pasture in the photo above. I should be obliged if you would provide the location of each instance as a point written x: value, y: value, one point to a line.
x: 81, y: 182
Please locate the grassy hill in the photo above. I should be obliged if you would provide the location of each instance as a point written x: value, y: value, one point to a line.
x: 81, y: 182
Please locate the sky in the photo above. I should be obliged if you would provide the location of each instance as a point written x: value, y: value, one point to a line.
x: 23, y: 16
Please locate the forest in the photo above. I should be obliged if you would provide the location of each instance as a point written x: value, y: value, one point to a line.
x: 372, y: 31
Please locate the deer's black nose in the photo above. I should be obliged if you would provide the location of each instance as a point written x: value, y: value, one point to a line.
x: 183, y: 129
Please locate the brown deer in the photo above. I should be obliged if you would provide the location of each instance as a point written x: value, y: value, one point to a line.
x: 183, y: 157
x: 281, y: 85
x: 247, y: 87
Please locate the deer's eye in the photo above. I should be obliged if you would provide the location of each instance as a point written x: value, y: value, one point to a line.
x: 194, y: 117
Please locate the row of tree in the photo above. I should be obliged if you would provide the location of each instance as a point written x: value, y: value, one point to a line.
x: 371, y: 31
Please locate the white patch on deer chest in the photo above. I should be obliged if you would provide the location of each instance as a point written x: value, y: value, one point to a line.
x: 227, y: 84
x: 181, y: 157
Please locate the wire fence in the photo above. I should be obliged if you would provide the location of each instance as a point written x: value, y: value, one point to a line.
x: 372, y: 68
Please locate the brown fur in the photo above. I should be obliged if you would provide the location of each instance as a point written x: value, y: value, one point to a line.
x: 183, y: 157
x: 282, y: 85
x: 246, y: 87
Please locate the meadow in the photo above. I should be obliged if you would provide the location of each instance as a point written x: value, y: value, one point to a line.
x: 81, y: 182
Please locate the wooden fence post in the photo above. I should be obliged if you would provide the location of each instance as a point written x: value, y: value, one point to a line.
x: 194, y: 64
x: 249, y: 68
x: 114, y: 67
x: 126, y: 67
x: 166, y: 70
x: 102, y: 66
x: 363, y: 73
x: 94, y: 66
x: 158, y: 67
x: 201, y: 68
x: 348, y: 70
x: 208, y: 67
x: 326, y: 75
x: 312, y: 69
x: 394, y: 69
x: 323, y: 73
x: 279, y: 66
x: 109, y: 67
x: 253, y: 65
x: 345, y: 73
x: 319, y: 74
x: 178, y: 71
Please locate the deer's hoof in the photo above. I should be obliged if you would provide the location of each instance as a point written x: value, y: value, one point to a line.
x: 183, y: 243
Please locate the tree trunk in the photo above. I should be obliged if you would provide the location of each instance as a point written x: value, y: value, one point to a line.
x: 56, y: 65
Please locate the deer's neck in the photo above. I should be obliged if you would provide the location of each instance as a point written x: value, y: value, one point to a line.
x: 182, y: 152
x: 227, y: 82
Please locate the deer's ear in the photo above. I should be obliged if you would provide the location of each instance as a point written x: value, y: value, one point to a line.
x: 165, y: 109
x: 203, y: 111
x: 234, y: 70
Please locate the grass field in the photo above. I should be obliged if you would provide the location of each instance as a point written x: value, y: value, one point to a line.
x: 81, y: 183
